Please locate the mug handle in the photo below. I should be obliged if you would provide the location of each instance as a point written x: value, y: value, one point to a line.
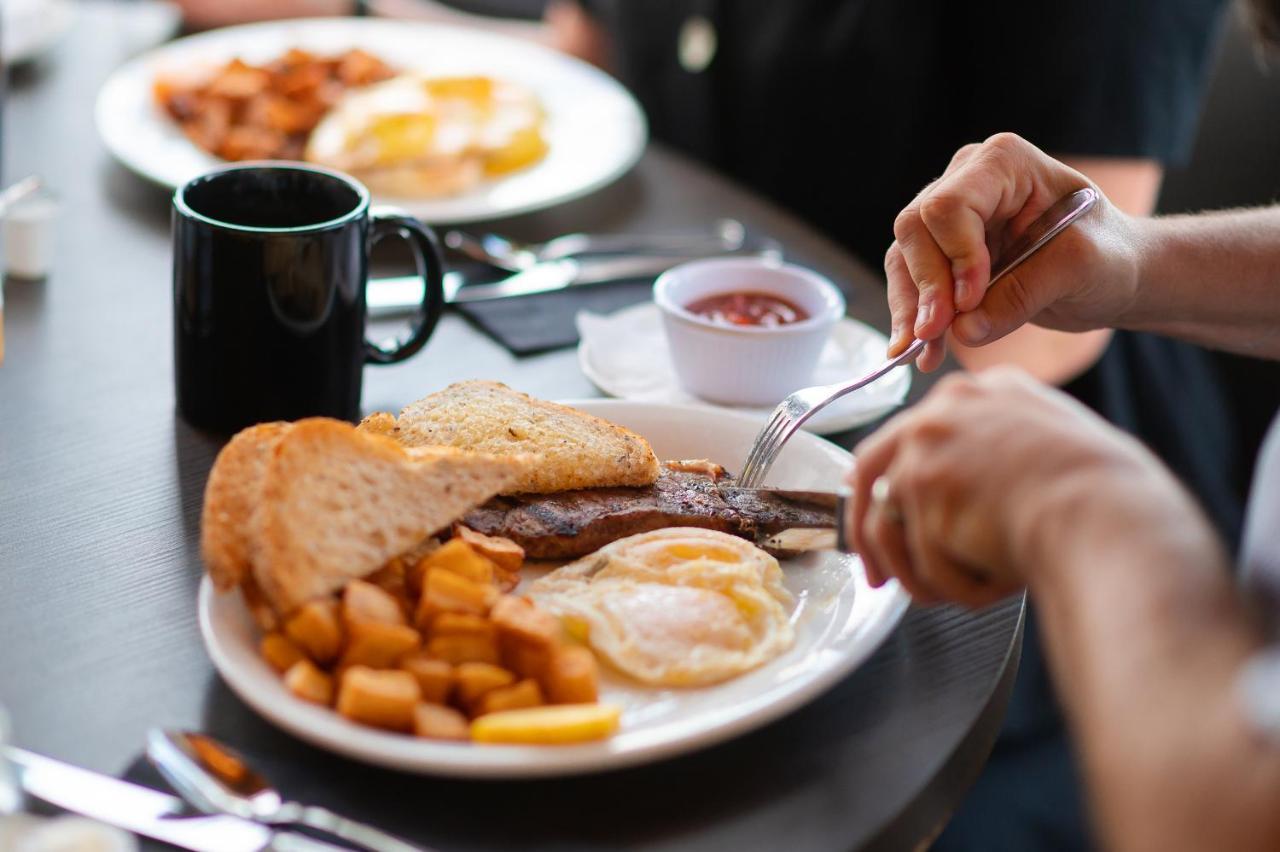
x: 430, y: 263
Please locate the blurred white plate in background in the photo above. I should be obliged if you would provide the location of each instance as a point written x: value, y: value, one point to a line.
x: 595, y: 129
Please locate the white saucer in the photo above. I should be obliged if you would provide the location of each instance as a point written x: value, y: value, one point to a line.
x: 625, y: 355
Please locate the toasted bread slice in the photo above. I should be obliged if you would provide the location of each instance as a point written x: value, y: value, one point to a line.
x: 337, y: 503
x: 233, y: 490
x: 575, y: 449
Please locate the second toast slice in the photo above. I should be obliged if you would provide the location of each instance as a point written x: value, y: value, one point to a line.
x: 574, y: 449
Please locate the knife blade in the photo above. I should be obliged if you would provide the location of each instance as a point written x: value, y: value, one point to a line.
x: 801, y: 539
x: 145, y: 811
x: 397, y: 296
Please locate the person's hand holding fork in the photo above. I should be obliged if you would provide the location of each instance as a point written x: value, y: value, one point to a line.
x: 940, y: 262
x: 981, y: 488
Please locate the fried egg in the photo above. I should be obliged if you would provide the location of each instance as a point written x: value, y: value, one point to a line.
x: 674, y: 607
x: 420, y: 136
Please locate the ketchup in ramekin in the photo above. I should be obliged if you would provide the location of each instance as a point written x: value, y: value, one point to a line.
x: 748, y: 307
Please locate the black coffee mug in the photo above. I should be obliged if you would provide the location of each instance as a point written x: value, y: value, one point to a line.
x: 270, y: 265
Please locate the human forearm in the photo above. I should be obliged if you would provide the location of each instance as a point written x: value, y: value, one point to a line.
x: 1145, y: 639
x: 1212, y: 279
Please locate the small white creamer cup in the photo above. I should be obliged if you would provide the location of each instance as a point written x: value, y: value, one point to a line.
x: 28, y: 237
x: 745, y: 365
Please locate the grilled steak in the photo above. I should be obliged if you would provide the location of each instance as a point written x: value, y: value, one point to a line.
x: 569, y: 524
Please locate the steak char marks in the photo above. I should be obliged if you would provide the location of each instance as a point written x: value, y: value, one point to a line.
x: 569, y: 524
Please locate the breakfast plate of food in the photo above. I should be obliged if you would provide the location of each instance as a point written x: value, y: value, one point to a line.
x: 448, y: 123
x: 490, y: 585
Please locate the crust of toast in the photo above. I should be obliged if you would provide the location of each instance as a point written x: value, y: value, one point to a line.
x: 337, y: 503
x: 233, y: 490
x: 575, y: 449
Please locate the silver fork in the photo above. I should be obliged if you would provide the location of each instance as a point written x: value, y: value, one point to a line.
x: 728, y: 235
x: 793, y: 411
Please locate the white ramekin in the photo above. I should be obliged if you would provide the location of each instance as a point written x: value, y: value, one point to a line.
x: 745, y: 365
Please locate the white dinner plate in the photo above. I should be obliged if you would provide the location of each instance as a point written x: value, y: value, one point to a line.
x: 595, y: 129
x: 625, y: 355
x: 839, y: 621
x: 30, y: 27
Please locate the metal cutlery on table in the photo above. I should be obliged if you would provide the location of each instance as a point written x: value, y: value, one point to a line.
x: 793, y: 411
x: 147, y: 812
x: 402, y: 295
x: 215, y: 779
x: 729, y: 235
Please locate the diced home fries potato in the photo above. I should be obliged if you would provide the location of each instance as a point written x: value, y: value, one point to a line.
x: 384, y: 699
x: 435, y: 677
x: 492, y: 655
x: 552, y: 724
x: 440, y: 723
x: 315, y: 628
x: 279, y: 652
x: 524, y: 659
x: 378, y: 645
x: 458, y: 557
x: 365, y: 602
x: 460, y: 648
x: 416, y: 566
x: 526, y: 693
x: 392, y: 578
x: 307, y: 682
x: 517, y: 618
x: 476, y: 679
x: 445, y: 591
x: 572, y: 676
x: 456, y: 623
x: 502, y: 552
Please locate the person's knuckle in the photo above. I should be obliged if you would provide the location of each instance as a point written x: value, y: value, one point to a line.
x: 955, y: 385
x: 1005, y: 375
x: 893, y: 262
x: 932, y: 432
x: 965, y: 152
x: 940, y: 208
x: 1005, y: 143
x: 906, y: 225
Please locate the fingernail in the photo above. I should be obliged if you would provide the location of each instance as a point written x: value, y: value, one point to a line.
x: 962, y: 288
x: 922, y: 315
x: 973, y: 327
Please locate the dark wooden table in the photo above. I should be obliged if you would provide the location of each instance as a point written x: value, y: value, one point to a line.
x: 100, y: 489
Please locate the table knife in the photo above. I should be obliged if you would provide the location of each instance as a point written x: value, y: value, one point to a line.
x: 402, y: 295
x: 147, y: 812
x: 801, y: 539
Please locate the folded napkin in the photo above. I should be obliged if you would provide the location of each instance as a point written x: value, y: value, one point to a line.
x: 530, y: 324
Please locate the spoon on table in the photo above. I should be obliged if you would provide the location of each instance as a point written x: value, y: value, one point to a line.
x: 214, y: 778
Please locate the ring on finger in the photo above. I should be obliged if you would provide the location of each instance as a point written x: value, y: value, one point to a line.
x: 882, y: 499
